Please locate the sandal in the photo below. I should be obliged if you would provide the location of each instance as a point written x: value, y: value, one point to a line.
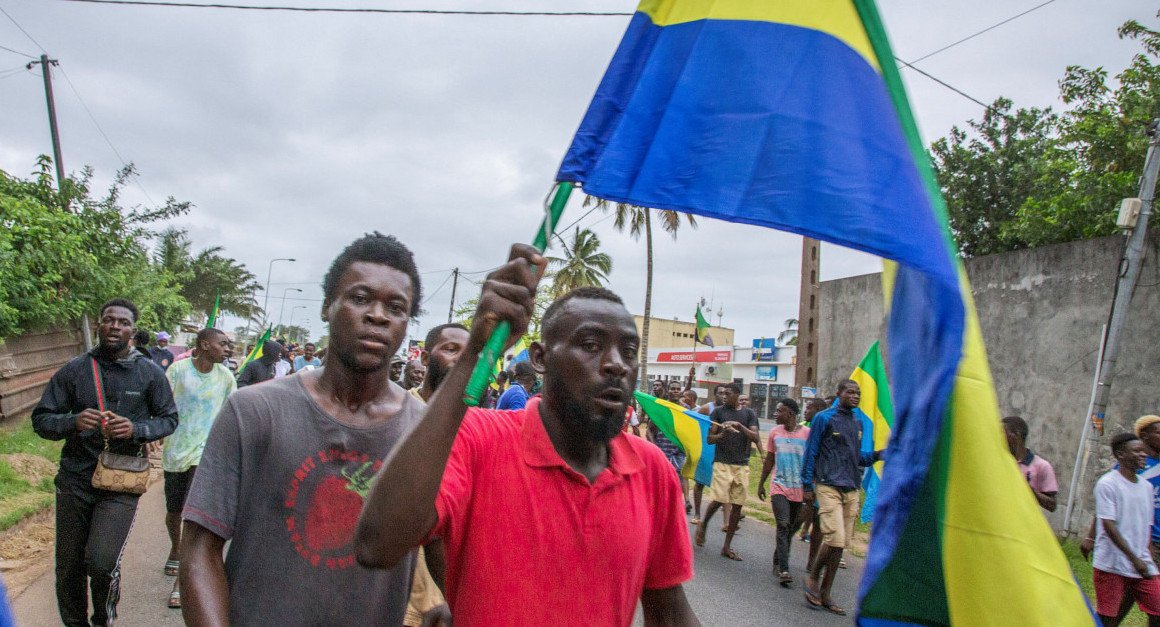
x: 812, y: 598
x: 731, y: 554
x: 175, y: 599
x: 842, y: 563
x: 695, y: 521
x: 171, y: 567
x: 834, y: 608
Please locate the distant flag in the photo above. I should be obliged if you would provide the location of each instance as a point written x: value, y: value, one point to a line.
x: 257, y: 352
x: 688, y: 430
x: 792, y: 115
x: 519, y: 352
x: 213, y: 314
x: 879, y: 410
x: 703, y: 329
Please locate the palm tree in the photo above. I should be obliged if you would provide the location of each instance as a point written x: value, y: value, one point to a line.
x: 581, y: 264
x: 789, y: 336
x: 206, y: 276
x: 637, y: 220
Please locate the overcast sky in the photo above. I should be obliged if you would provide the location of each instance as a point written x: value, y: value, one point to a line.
x: 294, y: 133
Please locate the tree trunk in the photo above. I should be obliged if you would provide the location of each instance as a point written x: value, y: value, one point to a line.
x: 642, y: 383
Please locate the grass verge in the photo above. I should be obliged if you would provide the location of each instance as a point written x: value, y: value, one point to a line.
x: 20, y: 497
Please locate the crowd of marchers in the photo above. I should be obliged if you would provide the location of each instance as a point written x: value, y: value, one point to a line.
x: 353, y: 487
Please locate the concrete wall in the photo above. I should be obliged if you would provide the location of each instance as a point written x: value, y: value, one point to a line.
x: 1041, y: 312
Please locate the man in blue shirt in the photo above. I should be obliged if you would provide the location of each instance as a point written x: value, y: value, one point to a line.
x: 307, y: 358
x: 524, y: 379
x: 832, y: 473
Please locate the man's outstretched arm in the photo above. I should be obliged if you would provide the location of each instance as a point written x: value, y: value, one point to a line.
x: 667, y: 607
x: 400, y: 507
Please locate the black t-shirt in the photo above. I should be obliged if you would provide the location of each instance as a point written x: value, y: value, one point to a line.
x: 733, y: 448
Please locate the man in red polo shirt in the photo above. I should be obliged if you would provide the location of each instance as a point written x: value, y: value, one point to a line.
x: 602, y: 520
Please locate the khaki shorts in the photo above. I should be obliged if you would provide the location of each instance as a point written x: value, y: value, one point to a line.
x: 837, y: 511
x: 730, y: 484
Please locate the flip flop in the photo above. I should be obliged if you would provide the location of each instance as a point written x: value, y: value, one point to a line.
x: 175, y: 599
x: 731, y: 554
x: 812, y: 598
x: 695, y: 521
x: 834, y: 608
x: 171, y: 567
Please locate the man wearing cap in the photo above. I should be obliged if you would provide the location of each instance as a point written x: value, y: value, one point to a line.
x: 161, y: 354
x: 1148, y: 431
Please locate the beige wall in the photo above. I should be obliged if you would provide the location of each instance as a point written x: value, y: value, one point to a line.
x: 665, y: 333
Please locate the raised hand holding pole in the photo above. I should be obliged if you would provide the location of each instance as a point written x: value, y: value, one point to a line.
x: 493, y: 350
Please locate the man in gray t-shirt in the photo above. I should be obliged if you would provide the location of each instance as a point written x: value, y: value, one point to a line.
x: 285, y: 481
x: 288, y: 463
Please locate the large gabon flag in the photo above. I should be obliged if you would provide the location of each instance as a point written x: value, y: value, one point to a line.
x: 792, y: 115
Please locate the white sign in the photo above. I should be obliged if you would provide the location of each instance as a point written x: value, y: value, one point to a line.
x: 809, y: 392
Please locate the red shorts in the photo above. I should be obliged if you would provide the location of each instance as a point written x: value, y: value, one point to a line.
x: 1112, y: 588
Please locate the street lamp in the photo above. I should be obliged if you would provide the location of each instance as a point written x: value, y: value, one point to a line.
x: 269, y: 273
x: 292, y: 310
x: 282, y: 310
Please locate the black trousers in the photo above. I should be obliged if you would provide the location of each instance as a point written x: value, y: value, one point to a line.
x: 787, y: 513
x: 91, y: 529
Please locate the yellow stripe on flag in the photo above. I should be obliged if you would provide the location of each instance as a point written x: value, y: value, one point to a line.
x: 1033, y: 584
x: 869, y: 406
x: 837, y: 18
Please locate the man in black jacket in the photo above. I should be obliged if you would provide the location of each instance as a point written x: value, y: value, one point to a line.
x: 92, y: 525
x: 262, y: 368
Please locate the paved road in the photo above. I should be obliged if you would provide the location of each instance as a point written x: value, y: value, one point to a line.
x: 144, y: 588
x: 740, y: 594
x: 723, y: 592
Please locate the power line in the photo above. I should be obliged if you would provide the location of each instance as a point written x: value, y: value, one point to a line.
x: 13, y: 71
x: 946, y: 84
x: 989, y: 28
x: 245, y: 7
x: 85, y: 106
x: 436, y: 292
x: 23, y: 54
x: 30, y: 38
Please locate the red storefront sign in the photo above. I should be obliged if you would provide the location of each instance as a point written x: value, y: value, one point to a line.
x: 701, y: 356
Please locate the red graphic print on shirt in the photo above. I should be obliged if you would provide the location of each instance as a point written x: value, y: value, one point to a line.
x: 325, y: 498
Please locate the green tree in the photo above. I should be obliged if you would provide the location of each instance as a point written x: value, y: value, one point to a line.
x: 1031, y: 177
x: 64, y: 253
x: 638, y: 220
x: 1103, y: 140
x: 987, y: 175
x: 207, y: 275
x: 789, y: 336
x: 581, y: 265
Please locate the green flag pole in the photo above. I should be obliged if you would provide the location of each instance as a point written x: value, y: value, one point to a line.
x: 493, y: 350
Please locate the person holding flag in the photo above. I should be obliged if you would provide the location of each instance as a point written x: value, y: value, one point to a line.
x: 261, y: 364
x: 601, y: 528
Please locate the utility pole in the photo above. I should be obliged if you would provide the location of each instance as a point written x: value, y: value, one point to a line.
x: 46, y: 72
x: 1130, y: 266
x: 454, y: 283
